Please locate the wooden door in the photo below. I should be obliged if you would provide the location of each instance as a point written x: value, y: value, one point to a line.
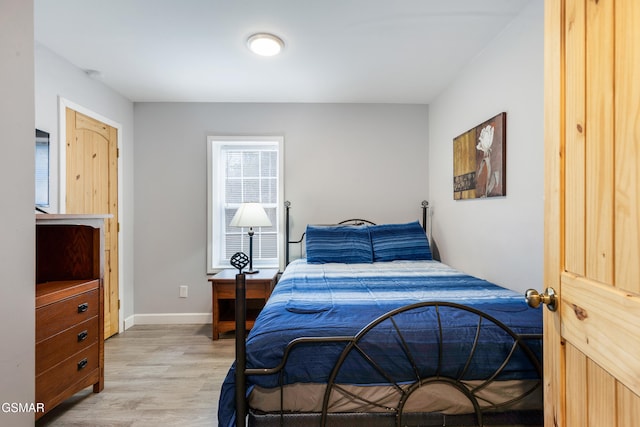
x: 92, y: 187
x: 592, y: 212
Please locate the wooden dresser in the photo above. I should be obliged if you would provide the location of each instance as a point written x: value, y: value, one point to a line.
x: 69, y: 306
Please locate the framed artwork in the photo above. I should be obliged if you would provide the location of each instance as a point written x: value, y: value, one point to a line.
x: 479, y: 160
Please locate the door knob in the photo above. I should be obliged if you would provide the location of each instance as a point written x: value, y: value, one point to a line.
x: 549, y: 298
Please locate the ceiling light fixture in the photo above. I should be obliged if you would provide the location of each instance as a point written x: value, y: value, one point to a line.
x: 265, y: 44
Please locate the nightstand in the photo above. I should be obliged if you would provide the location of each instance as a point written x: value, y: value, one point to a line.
x: 223, y: 295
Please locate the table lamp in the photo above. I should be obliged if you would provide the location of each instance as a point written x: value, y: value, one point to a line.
x: 250, y: 215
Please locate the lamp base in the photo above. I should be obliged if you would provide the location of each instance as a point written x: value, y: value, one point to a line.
x: 251, y: 271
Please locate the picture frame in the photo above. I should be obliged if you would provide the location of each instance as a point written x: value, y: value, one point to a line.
x: 479, y: 160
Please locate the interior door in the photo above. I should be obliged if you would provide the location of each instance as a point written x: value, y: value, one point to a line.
x: 592, y: 212
x: 92, y: 187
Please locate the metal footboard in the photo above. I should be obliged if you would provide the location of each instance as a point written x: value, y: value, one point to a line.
x: 421, y: 372
x: 448, y: 348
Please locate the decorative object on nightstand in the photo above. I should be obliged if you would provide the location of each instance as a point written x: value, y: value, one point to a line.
x: 239, y: 260
x: 250, y: 215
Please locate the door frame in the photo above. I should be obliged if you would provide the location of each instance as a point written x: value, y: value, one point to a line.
x: 63, y: 104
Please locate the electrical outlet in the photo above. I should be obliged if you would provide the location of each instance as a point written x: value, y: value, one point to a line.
x: 184, y: 291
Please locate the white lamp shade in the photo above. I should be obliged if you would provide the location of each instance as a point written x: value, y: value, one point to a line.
x: 250, y: 215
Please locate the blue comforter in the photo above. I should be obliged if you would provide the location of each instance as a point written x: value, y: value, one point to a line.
x: 340, y: 299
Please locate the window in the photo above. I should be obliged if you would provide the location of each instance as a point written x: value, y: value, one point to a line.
x: 243, y: 169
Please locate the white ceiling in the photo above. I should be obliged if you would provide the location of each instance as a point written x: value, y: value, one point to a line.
x: 371, y: 51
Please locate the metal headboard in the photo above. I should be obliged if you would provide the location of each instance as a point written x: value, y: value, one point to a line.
x: 354, y: 221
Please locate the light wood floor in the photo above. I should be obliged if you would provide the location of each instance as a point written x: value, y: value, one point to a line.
x: 155, y: 375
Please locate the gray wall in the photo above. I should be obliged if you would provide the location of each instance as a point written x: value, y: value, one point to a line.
x: 341, y: 161
x: 17, y: 293
x: 54, y: 78
x: 499, y: 239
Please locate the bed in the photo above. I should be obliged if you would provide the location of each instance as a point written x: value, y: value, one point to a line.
x: 368, y: 330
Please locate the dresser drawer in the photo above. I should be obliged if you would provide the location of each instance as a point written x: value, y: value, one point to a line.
x: 60, y: 346
x: 54, y: 318
x: 72, y: 370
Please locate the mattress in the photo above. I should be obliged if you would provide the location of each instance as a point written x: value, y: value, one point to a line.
x: 439, y: 398
x: 336, y: 299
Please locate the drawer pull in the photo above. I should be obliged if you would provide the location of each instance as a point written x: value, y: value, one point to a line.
x: 82, y: 364
x: 83, y: 307
x: 83, y: 335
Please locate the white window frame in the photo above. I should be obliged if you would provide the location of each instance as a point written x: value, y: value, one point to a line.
x: 215, y: 208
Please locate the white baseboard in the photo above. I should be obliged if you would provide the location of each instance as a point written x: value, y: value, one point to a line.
x: 167, y: 319
x: 128, y: 322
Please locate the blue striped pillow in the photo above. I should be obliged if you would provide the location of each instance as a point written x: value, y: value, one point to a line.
x: 399, y: 242
x: 340, y: 243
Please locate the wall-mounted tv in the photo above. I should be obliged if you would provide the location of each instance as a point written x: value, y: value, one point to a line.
x: 42, y: 169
